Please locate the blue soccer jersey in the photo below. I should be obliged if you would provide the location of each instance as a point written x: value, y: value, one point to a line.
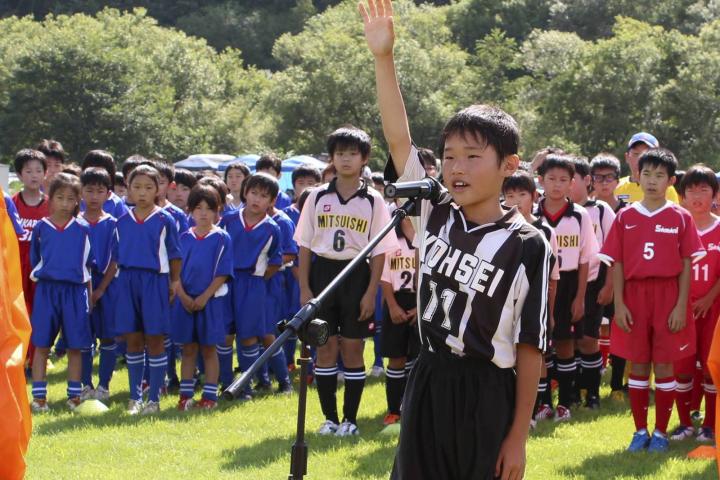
x: 148, y: 244
x: 61, y: 253
x: 204, y: 259
x: 13, y: 214
x: 287, y: 231
x: 282, y: 201
x: 181, y: 218
x: 255, y: 247
x: 114, y: 206
x: 103, y: 240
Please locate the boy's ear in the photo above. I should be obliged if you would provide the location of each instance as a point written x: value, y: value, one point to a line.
x: 672, y: 181
x: 509, y: 165
x: 588, y: 180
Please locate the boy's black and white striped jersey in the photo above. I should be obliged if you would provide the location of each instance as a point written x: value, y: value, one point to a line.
x: 481, y: 288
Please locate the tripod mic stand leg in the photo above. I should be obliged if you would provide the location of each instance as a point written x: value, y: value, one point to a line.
x: 299, y: 455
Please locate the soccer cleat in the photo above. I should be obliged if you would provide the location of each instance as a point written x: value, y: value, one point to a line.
x: 150, y: 408
x: 533, y: 424
x: 697, y: 416
x: 73, y: 402
x: 617, y: 396
x: 328, y: 428
x: 206, y: 404
x: 682, y: 432
x: 592, y: 402
x: 544, y: 412
x: 39, y: 405
x: 285, y: 389
x: 640, y: 441
x: 263, y: 388
x: 134, y: 407
x: 562, y: 414
x: 347, y: 429
x: 706, y: 434
x: 185, y: 404
x: 658, y: 443
x: 87, y: 393
x: 102, y: 393
x: 377, y: 371
x: 391, y: 418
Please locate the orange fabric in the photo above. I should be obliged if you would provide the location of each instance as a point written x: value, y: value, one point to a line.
x: 15, y: 421
x: 714, y: 367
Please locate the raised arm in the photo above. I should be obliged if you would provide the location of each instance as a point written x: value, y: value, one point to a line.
x: 380, y: 36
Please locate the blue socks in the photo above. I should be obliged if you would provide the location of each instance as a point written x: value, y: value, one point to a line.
x: 289, y: 348
x: 87, y: 367
x: 187, y: 388
x: 107, y: 364
x: 278, y: 364
x: 171, y: 354
x: 39, y: 390
x: 158, y: 367
x: 263, y: 375
x: 248, y: 355
x: 74, y: 389
x: 135, y: 366
x: 225, y: 359
x: 210, y: 392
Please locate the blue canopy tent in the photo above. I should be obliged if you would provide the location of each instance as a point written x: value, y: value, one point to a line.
x: 204, y: 161
x: 288, y: 165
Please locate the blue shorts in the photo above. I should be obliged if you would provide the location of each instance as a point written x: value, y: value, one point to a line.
x: 143, y: 302
x: 275, y: 302
x: 103, y: 314
x: 61, y: 306
x: 292, y: 290
x: 206, y: 327
x: 228, y: 317
x: 249, y: 293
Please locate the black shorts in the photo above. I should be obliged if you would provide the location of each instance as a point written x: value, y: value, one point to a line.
x: 456, y: 412
x: 593, y: 310
x: 400, y: 340
x: 341, y: 309
x: 564, y: 297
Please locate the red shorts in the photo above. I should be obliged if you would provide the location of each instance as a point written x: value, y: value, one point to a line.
x: 704, y: 328
x: 650, y: 340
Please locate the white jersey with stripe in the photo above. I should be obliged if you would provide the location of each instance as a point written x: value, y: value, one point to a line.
x: 482, y: 289
x: 550, y: 236
x: 337, y: 229
x: 602, y: 217
x: 400, y: 266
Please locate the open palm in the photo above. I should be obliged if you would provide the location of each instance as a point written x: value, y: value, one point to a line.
x: 379, y: 33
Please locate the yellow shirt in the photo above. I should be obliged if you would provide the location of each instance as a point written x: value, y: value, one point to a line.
x: 631, y: 192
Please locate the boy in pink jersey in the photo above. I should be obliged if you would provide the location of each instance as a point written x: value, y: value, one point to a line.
x: 652, y: 244
x: 697, y: 190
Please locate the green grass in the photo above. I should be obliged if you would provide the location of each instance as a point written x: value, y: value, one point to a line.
x: 252, y: 441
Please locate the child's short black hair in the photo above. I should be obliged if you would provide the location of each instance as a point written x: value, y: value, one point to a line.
x: 96, y: 176
x: 119, y: 179
x: 522, y: 181
x: 131, y: 163
x: 165, y: 169
x: 378, y: 178
x: 349, y: 137
x: 262, y: 182
x: 563, y: 162
x: 582, y: 166
x: 148, y: 171
x: 207, y: 193
x: 605, y: 161
x: 29, y: 155
x: 305, y: 171
x: 52, y: 148
x: 219, y: 186
x: 659, y: 157
x: 698, y: 174
x: 269, y: 161
x: 185, y: 177
x: 237, y: 166
x: 301, y: 199
x: 487, y: 124
x: 72, y: 169
x: 65, y: 180
x: 101, y: 159
x: 427, y: 158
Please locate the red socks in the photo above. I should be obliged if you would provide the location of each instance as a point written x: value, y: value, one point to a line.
x: 664, y: 400
x: 710, y: 394
x: 683, y: 396
x: 639, y: 392
x: 604, y: 343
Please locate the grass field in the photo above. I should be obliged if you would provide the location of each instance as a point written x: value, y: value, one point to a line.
x: 252, y: 441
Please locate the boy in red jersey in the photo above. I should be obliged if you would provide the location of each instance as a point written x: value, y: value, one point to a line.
x: 652, y: 244
x: 698, y: 189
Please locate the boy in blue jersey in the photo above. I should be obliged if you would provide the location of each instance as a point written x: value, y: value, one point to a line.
x: 303, y: 177
x: 207, y: 265
x: 257, y: 255
x: 113, y: 204
x: 96, y: 187
x: 185, y: 180
x: 272, y: 165
x: 61, y: 257
x: 148, y: 253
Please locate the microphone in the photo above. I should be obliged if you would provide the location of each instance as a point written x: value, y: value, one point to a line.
x: 428, y: 188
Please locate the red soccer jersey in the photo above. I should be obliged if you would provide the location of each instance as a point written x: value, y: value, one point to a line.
x: 706, y: 271
x: 29, y: 216
x: 652, y: 244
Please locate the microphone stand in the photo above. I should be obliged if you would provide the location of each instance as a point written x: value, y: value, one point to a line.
x: 311, y: 331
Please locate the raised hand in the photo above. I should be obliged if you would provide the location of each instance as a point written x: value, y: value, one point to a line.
x: 379, y: 31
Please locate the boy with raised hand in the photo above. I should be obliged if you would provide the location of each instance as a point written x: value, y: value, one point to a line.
x: 651, y: 245
x: 482, y: 302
